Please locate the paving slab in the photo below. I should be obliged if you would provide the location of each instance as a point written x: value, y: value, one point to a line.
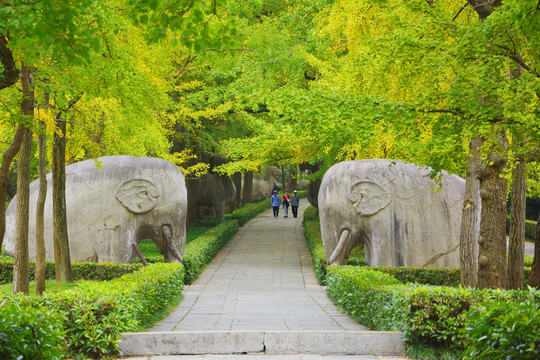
x: 260, y: 295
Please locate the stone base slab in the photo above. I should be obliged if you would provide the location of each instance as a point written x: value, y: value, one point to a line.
x: 269, y: 342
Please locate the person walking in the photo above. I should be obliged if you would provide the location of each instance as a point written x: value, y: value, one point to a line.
x: 275, y: 202
x: 295, y: 202
x: 275, y: 187
x: 286, y: 203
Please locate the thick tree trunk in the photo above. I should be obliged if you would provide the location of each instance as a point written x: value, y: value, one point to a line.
x: 7, y: 158
x: 20, y: 263
x: 534, y: 277
x: 470, y: 220
x: 10, y: 74
x: 62, y: 259
x: 237, y: 180
x: 492, y: 271
x: 41, y: 265
x: 517, y: 228
x: 192, y: 185
x: 248, y: 188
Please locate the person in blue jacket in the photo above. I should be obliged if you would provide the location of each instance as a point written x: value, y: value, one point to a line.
x: 275, y: 201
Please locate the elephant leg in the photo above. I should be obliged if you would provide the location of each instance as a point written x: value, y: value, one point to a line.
x: 172, y: 254
x: 220, y: 213
x: 339, y: 252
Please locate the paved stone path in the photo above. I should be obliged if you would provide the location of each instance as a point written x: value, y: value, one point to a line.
x: 262, y: 280
x: 260, y: 289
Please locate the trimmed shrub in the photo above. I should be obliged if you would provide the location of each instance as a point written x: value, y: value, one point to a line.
x: 504, y: 330
x: 203, y: 249
x: 248, y: 212
x: 431, y: 315
x: 29, y: 333
x: 86, y: 271
x: 95, y: 314
x: 426, y: 276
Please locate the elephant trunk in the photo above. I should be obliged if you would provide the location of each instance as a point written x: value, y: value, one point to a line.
x: 172, y: 254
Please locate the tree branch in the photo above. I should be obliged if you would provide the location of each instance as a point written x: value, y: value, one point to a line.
x: 183, y: 68
x: 10, y: 75
x: 459, y: 12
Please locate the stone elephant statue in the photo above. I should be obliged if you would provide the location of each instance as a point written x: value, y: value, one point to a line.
x: 217, y: 192
x: 262, y: 187
x: 394, y: 210
x: 111, y: 206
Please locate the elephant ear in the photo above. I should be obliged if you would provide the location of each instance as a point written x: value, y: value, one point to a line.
x: 138, y: 195
x: 368, y: 198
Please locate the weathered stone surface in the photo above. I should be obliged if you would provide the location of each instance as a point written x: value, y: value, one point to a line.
x: 217, y: 192
x: 262, y: 187
x: 394, y: 210
x: 109, y: 207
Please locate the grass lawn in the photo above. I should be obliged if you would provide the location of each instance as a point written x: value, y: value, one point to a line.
x: 51, y: 286
x: 149, y: 249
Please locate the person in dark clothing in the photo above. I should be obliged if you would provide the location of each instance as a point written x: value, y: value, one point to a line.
x: 295, y: 202
x: 275, y: 188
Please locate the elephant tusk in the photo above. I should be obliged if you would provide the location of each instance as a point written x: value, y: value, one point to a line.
x: 338, y: 251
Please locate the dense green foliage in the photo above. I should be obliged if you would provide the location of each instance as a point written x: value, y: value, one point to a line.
x: 96, y: 313
x: 504, y: 330
x: 431, y: 315
x: 30, y: 333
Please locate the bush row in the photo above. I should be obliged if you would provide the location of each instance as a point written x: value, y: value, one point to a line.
x: 92, y: 316
x: 86, y: 271
x: 530, y: 228
x: 203, y: 249
x: 248, y: 212
x: 435, y: 316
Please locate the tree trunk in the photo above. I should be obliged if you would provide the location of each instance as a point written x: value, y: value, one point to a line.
x: 62, y: 265
x: 7, y: 158
x: 470, y: 220
x: 534, y: 277
x: 293, y: 179
x: 492, y: 251
x: 192, y: 185
x: 517, y: 227
x: 283, y: 184
x: 20, y: 263
x: 237, y: 180
x: 41, y: 265
x: 248, y: 188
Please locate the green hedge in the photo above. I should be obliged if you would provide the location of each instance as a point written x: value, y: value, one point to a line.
x: 530, y: 228
x: 30, y: 333
x: 248, y: 212
x: 86, y: 271
x: 431, y: 315
x: 426, y: 276
x: 504, y: 330
x: 203, y: 249
x: 95, y: 314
